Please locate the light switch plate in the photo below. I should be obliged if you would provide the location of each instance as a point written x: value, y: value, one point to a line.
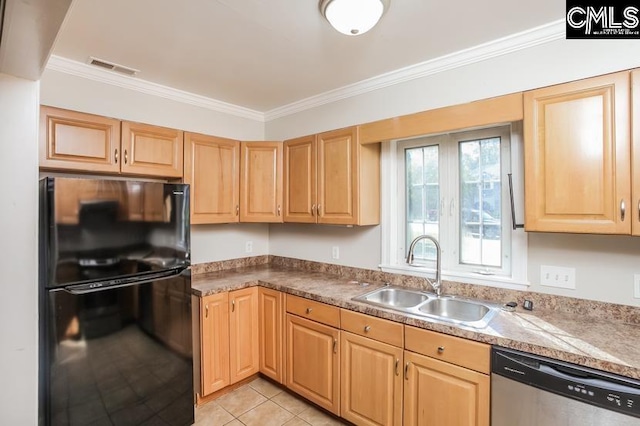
x: 556, y: 276
x: 335, y: 252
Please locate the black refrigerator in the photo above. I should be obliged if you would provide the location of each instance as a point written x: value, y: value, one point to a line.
x: 115, y: 342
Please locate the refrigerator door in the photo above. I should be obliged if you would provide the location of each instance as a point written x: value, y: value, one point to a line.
x: 121, y: 356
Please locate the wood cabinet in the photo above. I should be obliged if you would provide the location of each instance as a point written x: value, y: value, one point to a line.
x: 261, y: 182
x: 577, y: 156
x: 243, y: 333
x: 228, y: 338
x: 271, y: 317
x: 151, y: 150
x: 313, y: 362
x: 371, y: 376
x: 635, y: 151
x: 211, y: 167
x: 331, y: 178
x: 214, y: 343
x: 90, y: 143
x: 442, y: 385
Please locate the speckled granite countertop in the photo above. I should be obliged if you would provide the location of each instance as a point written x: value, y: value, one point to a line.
x: 610, y: 345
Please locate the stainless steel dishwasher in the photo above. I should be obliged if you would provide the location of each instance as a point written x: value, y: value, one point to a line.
x: 530, y: 390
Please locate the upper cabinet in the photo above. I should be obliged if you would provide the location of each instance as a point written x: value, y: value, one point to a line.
x: 331, y: 178
x: 261, y: 182
x: 151, y: 150
x: 211, y: 166
x: 635, y: 150
x: 578, y: 157
x: 82, y: 142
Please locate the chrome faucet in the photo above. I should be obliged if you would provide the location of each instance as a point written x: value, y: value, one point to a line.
x: 437, y: 284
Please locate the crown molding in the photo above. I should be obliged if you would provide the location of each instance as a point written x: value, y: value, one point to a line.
x: 79, y: 69
x: 512, y: 43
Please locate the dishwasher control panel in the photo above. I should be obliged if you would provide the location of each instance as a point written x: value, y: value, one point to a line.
x: 594, y: 387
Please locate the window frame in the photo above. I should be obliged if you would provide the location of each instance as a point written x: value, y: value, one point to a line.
x: 393, y: 224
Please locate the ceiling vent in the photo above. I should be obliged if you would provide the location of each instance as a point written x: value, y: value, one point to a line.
x: 112, y: 66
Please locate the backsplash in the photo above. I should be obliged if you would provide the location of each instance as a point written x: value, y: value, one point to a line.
x: 541, y: 301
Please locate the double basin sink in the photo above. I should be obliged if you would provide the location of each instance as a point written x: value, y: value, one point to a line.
x: 466, y: 312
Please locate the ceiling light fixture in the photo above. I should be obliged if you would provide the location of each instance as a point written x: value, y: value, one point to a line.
x: 353, y: 17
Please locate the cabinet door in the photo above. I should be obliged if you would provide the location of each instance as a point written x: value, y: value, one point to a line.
x: 270, y: 309
x: 151, y: 150
x: 635, y: 149
x: 261, y: 182
x: 75, y: 141
x: 371, y: 380
x: 243, y: 333
x: 313, y: 362
x: 300, y: 180
x: 337, y: 177
x: 214, y: 340
x: 577, y: 156
x: 211, y: 167
x: 440, y: 394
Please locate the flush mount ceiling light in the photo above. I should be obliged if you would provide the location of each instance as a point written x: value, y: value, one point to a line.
x: 353, y: 17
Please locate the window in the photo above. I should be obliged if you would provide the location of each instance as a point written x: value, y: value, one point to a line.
x: 455, y: 188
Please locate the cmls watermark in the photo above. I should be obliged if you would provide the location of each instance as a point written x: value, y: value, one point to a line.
x: 612, y: 19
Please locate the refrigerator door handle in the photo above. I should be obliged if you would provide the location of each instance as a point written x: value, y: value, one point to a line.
x: 101, y: 286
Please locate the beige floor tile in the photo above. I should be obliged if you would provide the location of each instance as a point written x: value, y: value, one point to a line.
x: 235, y: 422
x: 241, y: 400
x: 212, y: 414
x: 317, y: 418
x: 267, y: 414
x: 296, y: 421
x: 265, y: 387
x: 290, y: 403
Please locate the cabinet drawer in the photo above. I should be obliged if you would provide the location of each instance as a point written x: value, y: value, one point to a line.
x: 316, y: 311
x: 463, y: 352
x: 375, y: 328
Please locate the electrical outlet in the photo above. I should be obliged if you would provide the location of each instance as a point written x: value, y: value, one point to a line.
x: 556, y: 276
x: 335, y: 252
x: 636, y: 286
x: 248, y: 247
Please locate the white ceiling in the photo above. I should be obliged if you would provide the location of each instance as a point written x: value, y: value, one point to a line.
x: 263, y: 54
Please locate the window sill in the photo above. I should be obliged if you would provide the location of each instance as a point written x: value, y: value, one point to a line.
x: 458, y: 276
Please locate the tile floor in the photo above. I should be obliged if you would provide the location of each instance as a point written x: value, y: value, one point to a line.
x: 261, y: 403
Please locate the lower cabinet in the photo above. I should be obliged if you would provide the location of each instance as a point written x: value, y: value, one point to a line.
x: 313, y: 360
x: 438, y: 392
x: 371, y: 377
x: 228, y: 338
x: 271, y: 319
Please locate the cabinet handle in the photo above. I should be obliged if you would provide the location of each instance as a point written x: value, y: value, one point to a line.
x: 639, y: 210
x: 406, y: 371
x: 319, y: 209
x: 233, y: 305
x: 115, y: 156
x: 279, y: 209
x: 440, y: 349
x: 313, y: 210
x: 237, y: 209
x: 397, y: 365
x: 367, y: 328
x: 309, y: 310
x: 125, y: 156
x: 622, y: 210
x: 335, y: 346
x: 206, y: 311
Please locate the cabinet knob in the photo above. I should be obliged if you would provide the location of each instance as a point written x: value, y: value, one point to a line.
x: 367, y: 328
x: 279, y: 209
x: 622, y: 210
x: 115, y: 156
x: 406, y: 371
x: 313, y: 210
x: 397, y: 364
x: 237, y: 209
x: 309, y: 310
x: 233, y: 305
x: 206, y: 311
x: 125, y: 156
x: 335, y: 346
x: 440, y: 349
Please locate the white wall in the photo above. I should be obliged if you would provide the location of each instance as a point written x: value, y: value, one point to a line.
x: 19, y: 256
x: 604, y: 264
x: 208, y: 243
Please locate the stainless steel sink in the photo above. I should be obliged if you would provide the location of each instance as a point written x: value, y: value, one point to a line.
x: 394, y: 298
x: 466, y: 312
